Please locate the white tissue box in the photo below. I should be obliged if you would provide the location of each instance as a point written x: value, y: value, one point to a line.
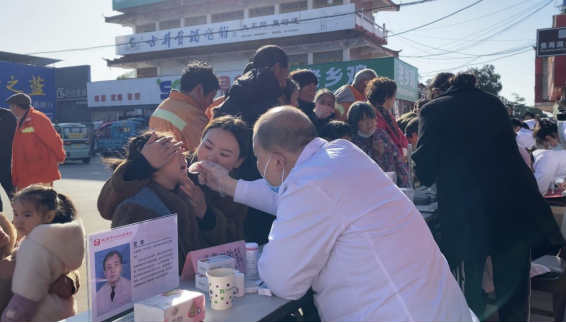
x: 175, y: 306
x: 201, y: 282
x: 207, y: 264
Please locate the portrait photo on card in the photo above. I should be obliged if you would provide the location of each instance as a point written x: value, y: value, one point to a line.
x: 113, y: 278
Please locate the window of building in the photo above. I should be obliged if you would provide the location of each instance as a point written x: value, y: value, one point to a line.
x: 145, y: 28
x: 293, y: 6
x: 227, y: 16
x: 262, y: 11
x: 169, y: 24
x: 299, y: 59
x: 328, y: 57
x: 195, y: 21
x: 327, y: 3
x: 146, y: 72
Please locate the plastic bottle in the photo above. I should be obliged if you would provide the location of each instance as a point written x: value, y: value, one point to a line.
x: 240, y: 285
x: 252, y: 250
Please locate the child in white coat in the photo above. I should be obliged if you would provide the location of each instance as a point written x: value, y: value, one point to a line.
x: 53, y: 245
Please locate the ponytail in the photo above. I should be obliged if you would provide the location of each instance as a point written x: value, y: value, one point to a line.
x: 47, y: 199
x: 65, y: 211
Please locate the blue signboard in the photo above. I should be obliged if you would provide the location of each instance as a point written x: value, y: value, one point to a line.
x: 37, y: 82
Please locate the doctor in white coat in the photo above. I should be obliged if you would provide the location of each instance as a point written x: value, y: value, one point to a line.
x: 342, y: 228
x: 117, y: 291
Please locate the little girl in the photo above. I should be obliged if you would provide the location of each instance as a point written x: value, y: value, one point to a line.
x: 53, y: 245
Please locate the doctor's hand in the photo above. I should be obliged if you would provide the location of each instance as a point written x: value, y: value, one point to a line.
x: 214, y: 176
x: 62, y: 287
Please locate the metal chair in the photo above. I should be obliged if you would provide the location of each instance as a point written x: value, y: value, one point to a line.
x: 554, y: 283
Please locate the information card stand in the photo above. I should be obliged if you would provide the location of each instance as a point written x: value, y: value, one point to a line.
x: 129, y: 264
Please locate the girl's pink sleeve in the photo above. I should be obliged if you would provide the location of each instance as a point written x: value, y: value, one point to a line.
x: 20, y: 309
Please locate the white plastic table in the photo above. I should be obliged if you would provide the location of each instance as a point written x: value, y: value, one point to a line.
x: 251, y: 307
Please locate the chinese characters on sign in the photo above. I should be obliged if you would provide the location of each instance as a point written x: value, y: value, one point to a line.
x: 37, y: 82
x: 149, y: 264
x: 551, y: 42
x: 335, y: 75
x: 266, y: 27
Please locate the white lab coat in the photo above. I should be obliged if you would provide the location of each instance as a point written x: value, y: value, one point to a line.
x: 549, y: 166
x: 122, y: 296
x: 525, y: 138
x: 345, y: 229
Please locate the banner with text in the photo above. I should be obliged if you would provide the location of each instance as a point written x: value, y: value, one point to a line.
x: 335, y: 75
x: 35, y: 81
x: 151, y: 90
x: 267, y: 27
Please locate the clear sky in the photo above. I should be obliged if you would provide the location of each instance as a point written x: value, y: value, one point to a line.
x: 32, y: 26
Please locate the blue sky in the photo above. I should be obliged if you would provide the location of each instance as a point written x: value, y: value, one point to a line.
x: 30, y: 26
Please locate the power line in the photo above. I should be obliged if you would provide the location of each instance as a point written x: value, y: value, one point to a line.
x: 478, y: 41
x: 482, y: 63
x: 437, y: 20
x: 234, y: 30
x: 477, y: 18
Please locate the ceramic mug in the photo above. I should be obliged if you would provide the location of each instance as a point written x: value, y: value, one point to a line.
x: 220, y: 288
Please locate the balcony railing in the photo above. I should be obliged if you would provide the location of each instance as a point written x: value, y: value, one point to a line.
x: 369, y: 25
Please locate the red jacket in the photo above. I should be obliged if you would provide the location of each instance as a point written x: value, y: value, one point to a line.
x: 396, y: 134
x: 37, y: 151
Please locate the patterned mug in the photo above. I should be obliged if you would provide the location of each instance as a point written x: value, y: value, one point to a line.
x: 220, y: 288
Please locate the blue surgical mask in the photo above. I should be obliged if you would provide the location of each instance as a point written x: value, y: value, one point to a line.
x: 272, y: 187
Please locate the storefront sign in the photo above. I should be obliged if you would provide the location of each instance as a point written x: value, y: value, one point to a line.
x: 132, y: 263
x: 122, y: 4
x: 71, y: 84
x: 151, y: 90
x: 35, y: 81
x: 334, y: 75
x: 551, y: 42
x: 268, y: 27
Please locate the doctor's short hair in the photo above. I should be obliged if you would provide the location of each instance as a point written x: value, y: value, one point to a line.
x: 111, y: 254
x: 284, y: 128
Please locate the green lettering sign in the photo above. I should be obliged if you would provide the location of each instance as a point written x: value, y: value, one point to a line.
x: 334, y: 75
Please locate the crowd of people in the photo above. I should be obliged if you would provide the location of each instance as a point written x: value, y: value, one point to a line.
x: 303, y: 170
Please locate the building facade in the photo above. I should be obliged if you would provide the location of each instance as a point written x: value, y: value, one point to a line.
x: 226, y: 33
x: 550, y: 74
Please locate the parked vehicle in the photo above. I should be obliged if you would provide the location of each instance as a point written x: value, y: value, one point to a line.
x: 113, y: 137
x: 76, y: 141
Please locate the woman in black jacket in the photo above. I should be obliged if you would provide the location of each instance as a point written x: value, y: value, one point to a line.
x: 488, y: 198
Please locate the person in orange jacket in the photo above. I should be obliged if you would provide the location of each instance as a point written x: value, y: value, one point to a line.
x: 37, y: 149
x: 184, y: 112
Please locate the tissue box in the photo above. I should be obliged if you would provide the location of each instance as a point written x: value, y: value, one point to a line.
x: 206, y: 264
x: 175, y: 306
x: 201, y: 282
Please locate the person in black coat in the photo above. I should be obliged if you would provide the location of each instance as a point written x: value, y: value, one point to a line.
x: 7, y: 130
x: 249, y: 97
x: 488, y: 199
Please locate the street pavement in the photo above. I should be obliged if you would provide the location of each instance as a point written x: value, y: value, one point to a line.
x: 82, y: 183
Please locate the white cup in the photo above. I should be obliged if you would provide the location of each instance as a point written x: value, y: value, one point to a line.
x: 410, y: 193
x: 392, y: 176
x: 221, y: 288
